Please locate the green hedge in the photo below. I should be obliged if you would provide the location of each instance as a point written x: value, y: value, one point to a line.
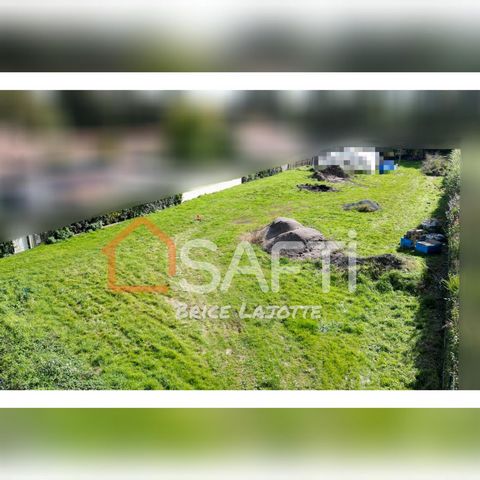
x: 451, y: 185
x: 96, y: 223
x: 262, y: 174
x: 6, y: 249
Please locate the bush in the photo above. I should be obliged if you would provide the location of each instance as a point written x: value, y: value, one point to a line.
x: 451, y: 185
x: 451, y: 182
x: 262, y: 174
x: 6, y: 249
x: 95, y: 226
x: 435, y: 165
x: 451, y: 340
x: 57, y: 235
x: 84, y: 226
x: 453, y: 231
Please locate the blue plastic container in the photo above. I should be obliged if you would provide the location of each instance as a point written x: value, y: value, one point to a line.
x: 387, y: 166
x: 406, y: 243
x: 428, y: 247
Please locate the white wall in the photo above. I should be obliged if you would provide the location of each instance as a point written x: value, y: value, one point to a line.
x: 214, y: 187
x: 20, y: 244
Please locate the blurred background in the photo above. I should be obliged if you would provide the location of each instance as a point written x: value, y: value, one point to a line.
x: 233, y: 443
x: 227, y: 35
x: 70, y: 155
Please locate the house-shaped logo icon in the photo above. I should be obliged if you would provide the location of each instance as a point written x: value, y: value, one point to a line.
x: 111, y: 249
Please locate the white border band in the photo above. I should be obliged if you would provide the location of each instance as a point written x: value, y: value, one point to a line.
x: 240, y: 399
x: 240, y: 81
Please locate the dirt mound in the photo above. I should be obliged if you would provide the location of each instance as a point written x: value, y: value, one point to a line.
x: 333, y: 173
x: 310, y: 243
x: 281, y: 225
x: 316, y: 188
x: 362, y: 206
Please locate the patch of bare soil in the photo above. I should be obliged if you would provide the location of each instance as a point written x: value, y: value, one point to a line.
x: 377, y: 264
x: 316, y: 188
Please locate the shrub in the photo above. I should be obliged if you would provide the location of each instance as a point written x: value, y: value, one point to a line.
x: 55, y: 235
x: 96, y: 223
x: 262, y: 174
x: 6, y: 249
x: 95, y: 226
x: 451, y: 181
x: 435, y: 165
x: 453, y: 230
x: 451, y: 340
x: 451, y: 185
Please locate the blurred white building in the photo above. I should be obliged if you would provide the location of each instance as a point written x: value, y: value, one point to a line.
x: 354, y: 159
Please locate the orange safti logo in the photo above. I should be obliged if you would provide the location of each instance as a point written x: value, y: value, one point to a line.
x: 111, y: 250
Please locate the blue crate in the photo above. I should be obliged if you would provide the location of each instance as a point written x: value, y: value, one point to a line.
x: 406, y: 243
x: 428, y: 247
x: 387, y: 166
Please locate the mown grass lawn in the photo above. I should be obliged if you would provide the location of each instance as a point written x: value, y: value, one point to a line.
x: 60, y: 327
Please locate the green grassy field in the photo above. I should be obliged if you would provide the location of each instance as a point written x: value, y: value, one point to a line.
x: 60, y: 327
